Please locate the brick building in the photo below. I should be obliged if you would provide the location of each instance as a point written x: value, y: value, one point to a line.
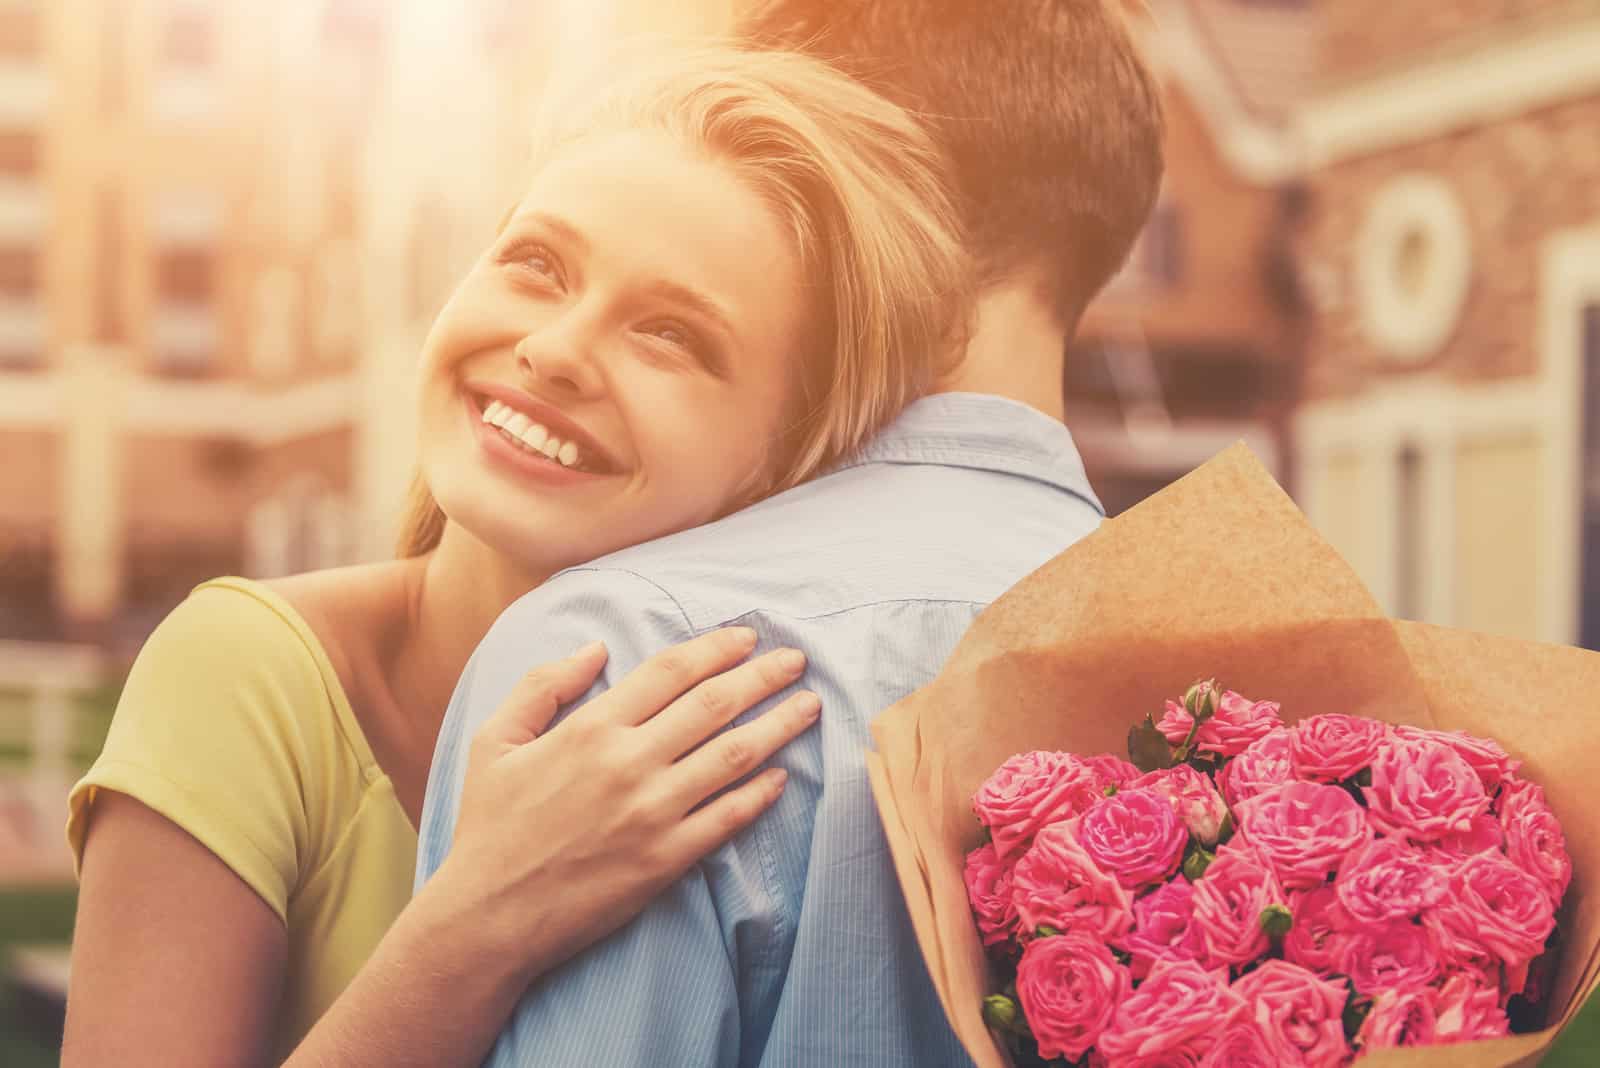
x: 1447, y: 443
x: 1197, y: 343
x: 178, y: 344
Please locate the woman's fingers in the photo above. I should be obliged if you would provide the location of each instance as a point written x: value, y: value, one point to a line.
x: 734, y: 754
x: 540, y: 693
x: 705, y: 829
x: 662, y: 679
x: 716, y: 702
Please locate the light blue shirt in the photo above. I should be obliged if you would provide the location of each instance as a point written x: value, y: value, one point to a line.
x: 790, y: 945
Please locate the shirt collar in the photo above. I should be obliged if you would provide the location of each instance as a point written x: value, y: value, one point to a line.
x: 983, y: 432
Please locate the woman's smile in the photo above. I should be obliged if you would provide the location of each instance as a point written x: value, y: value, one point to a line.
x: 535, y: 443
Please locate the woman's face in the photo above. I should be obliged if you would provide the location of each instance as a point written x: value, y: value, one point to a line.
x: 617, y: 364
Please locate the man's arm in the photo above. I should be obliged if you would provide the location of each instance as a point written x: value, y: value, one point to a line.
x: 662, y: 990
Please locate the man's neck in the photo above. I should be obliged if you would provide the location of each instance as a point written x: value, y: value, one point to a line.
x: 1016, y: 351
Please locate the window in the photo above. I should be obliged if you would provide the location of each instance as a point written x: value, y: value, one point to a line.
x: 1161, y: 251
x: 185, y: 331
x: 110, y: 326
x: 20, y: 38
x: 188, y: 39
x: 19, y: 155
x: 1589, y: 614
x: 21, y: 317
x: 186, y: 275
x: 1409, y: 555
x: 186, y: 89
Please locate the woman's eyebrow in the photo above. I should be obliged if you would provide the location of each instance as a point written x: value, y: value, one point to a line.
x: 559, y: 227
x: 692, y: 299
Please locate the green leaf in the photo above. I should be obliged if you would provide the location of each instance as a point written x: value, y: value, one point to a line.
x: 1195, y: 862
x: 1225, y: 829
x: 1355, y: 1014
x: 1046, y: 931
x: 1147, y: 746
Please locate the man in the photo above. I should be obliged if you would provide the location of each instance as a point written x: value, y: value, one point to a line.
x: 790, y: 945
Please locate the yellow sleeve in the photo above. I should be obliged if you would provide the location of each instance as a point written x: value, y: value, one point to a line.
x: 217, y: 726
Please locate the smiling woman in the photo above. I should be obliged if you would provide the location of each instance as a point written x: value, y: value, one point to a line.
x: 726, y: 270
x: 739, y: 258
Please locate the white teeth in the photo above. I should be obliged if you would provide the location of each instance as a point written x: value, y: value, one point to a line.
x: 531, y: 435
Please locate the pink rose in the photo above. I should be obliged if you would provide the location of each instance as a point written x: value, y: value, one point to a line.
x: 1304, y: 830
x: 1238, y: 722
x: 1163, y: 927
x: 1484, y: 755
x: 989, y: 892
x: 1466, y: 1011
x: 1485, y: 834
x: 1321, y: 927
x: 1495, y: 909
x: 1135, y: 835
x: 1422, y: 790
x: 1390, y: 880
x: 1057, y: 884
x: 1193, y: 797
x: 1069, y: 986
x: 1030, y: 791
x: 1111, y: 770
x: 1266, y: 763
x: 1300, y: 1015
x: 1399, y: 1018
x: 1533, y: 837
x: 1333, y: 746
x: 1397, y: 954
x: 1241, y: 1045
x: 1227, y: 906
x: 1175, y: 1013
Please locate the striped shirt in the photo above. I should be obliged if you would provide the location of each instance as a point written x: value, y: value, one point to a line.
x: 790, y: 946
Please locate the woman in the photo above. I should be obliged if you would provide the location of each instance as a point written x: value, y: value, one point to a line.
x: 727, y: 271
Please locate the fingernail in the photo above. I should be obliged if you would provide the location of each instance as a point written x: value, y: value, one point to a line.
x: 592, y: 649
x: 791, y: 660
x: 809, y: 704
x: 778, y: 777
x: 745, y: 636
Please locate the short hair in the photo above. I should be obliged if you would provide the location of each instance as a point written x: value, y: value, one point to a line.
x: 860, y: 186
x: 1050, y: 116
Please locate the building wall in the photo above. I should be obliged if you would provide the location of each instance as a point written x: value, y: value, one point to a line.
x: 1214, y: 230
x: 1359, y: 36
x: 1451, y: 475
x: 1514, y: 180
x: 27, y: 480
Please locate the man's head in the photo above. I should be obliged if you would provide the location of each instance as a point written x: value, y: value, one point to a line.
x: 1051, y: 120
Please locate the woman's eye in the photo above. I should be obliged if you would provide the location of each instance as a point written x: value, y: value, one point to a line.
x: 685, y: 340
x: 673, y: 334
x: 538, y: 260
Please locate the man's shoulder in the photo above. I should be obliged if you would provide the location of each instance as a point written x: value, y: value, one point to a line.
x: 863, y: 535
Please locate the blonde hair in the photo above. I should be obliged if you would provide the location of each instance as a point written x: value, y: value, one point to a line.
x: 859, y: 184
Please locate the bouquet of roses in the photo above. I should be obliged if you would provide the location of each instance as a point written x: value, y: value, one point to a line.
x: 1261, y: 894
x: 1353, y: 862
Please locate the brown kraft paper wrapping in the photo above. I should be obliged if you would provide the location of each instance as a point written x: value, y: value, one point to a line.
x: 1217, y: 575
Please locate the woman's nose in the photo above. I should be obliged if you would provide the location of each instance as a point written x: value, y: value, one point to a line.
x: 561, y: 361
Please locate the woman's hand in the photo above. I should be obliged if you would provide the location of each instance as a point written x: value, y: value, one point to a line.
x: 563, y: 836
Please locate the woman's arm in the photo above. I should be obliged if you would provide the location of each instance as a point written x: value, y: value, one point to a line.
x: 561, y: 839
x: 175, y: 961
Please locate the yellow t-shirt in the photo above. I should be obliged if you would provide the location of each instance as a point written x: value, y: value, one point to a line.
x: 234, y: 726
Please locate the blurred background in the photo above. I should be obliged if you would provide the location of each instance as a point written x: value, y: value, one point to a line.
x: 225, y: 228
